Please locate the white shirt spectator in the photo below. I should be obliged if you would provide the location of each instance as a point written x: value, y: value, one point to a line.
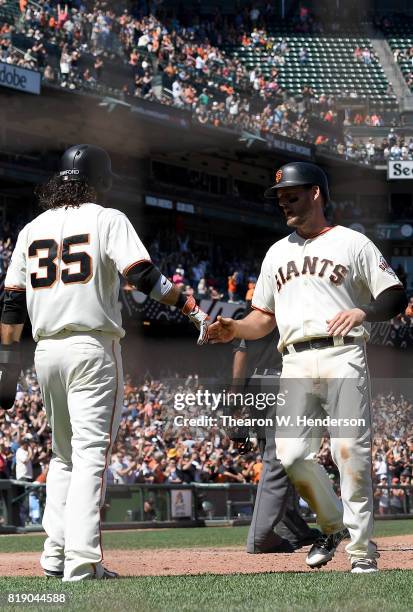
x: 202, y: 288
x: 118, y: 465
x: 143, y: 41
x: 65, y: 64
x: 380, y: 467
x: 68, y: 26
x: 370, y: 149
x: 176, y: 90
x: 233, y: 107
x: 384, y: 498
x: 24, y: 467
x: 255, y: 37
x: 199, y: 63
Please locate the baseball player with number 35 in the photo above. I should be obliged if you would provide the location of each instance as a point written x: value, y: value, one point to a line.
x: 66, y: 266
x: 322, y: 286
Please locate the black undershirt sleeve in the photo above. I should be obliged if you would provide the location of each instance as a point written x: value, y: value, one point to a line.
x: 14, y: 307
x: 388, y: 304
x: 144, y: 276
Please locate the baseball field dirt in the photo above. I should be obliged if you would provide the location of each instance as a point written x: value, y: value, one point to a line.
x: 396, y: 552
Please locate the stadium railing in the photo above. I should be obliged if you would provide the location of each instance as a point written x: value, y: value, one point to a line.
x: 160, y: 505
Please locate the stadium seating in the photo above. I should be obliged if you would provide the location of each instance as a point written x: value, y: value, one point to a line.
x: 331, y: 67
x: 402, y: 38
x: 9, y: 11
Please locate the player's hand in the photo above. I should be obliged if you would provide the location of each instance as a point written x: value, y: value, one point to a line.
x: 344, y: 321
x: 223, y: 330
x: 198, y: 317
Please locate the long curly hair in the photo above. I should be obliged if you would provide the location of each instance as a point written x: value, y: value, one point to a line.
x: 56, y: 194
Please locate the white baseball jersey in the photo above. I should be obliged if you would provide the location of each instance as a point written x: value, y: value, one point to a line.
x: 67, y: 260
x: 306, y: 282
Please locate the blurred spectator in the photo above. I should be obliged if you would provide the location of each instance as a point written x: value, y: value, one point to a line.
x: 233, y: 287
x: 4, y: 471
x: 24, y: 466
x: 179, y: 276
x: 149, y: 513
x: 397, y: 497
x: 382, y: 495
x: 409, y: 309
x: 202, y: 289
x: 249, y: 294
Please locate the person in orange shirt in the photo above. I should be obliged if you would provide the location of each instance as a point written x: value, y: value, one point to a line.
x: 43, y: 475
x: 256, y: 470
x: 250, y: 293
x: 320, y: 140
x: 232, y: 287
x: 409, y: 309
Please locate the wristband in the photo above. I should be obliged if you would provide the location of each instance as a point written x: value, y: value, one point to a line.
x: 161, y: 288
x: 186, y: 304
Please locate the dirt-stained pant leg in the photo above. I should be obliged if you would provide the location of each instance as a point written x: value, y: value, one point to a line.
x: 297, y: 443
x: 348, y: 397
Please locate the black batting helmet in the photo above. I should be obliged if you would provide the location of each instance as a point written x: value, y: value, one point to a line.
x: 85, y: 162
x: 299, y: 173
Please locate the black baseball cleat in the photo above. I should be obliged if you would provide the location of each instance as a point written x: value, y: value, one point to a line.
x: 52, y: 574
x: 364, y: 566
x: 323, y: 549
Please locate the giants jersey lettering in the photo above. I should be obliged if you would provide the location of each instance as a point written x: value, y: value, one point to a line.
x: 68, y: 262
x: 306, y: 282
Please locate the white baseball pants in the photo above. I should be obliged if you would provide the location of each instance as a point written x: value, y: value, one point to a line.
x: 335, y: 382
x: 81, y: 380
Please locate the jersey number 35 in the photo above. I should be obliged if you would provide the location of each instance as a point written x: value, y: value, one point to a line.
x: 48, y: 263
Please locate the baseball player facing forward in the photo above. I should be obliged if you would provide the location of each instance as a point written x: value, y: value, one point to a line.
x: 66, y: 265
x: 322, y: 286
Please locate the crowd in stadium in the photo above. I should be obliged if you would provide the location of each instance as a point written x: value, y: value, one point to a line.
x: 150, y: 448
x: 208, y: 272
x: 374, y: 150
x: 179, y: 60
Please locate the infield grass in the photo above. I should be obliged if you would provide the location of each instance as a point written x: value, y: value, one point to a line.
x: 299, y: 592
x: 196, y: 537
